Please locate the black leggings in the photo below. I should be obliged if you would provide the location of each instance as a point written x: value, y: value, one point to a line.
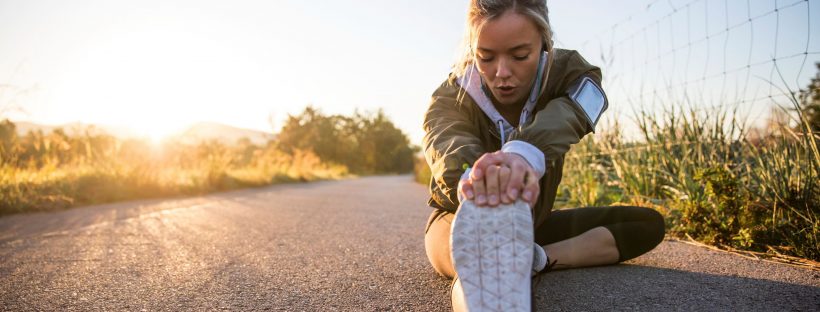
x: 636, y: 229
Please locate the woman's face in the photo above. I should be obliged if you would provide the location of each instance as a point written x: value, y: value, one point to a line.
x: 507, y: 53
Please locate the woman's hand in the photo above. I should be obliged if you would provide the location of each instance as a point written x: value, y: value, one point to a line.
x: 500, y: 178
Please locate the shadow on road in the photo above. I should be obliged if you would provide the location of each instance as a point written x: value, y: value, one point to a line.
x: 631, y: 287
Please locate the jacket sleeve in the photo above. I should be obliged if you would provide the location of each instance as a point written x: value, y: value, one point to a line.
x: 451, y: 140
x: 555, y: 128
x: 561, y: 122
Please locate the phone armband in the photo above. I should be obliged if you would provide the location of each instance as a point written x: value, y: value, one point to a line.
x: 590, y: 98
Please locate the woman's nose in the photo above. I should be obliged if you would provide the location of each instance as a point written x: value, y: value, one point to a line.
x: 503, y: 70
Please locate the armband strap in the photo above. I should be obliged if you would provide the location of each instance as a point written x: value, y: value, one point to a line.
x: 589, y: 96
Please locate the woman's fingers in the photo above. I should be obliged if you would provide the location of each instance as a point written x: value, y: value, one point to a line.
x: 479, y: 189
x: 491, y: 180
x: 485, y: 161
x: 518, y: 172
x: 503, y: 181
x: 502, y: 178
x: 531, y: 188
x: 465, y: 187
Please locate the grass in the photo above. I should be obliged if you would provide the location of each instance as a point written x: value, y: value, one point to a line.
x: 86, y: 171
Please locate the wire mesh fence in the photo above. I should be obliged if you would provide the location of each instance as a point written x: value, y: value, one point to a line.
x: 749, y: 56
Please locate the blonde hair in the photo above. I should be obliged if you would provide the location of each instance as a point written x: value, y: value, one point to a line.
x: 482, y: 11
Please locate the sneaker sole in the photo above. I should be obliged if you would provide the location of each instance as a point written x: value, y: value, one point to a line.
x: 492, y: 254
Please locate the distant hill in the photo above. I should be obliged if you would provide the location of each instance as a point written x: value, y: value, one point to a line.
x: 202, y: 131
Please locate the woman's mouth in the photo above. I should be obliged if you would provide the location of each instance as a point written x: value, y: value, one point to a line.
x: 506, y: 90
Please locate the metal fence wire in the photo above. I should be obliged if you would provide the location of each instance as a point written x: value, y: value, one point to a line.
x: 749, y: 56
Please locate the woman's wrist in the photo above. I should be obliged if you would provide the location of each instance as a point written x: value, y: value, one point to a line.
x: 531, y: 154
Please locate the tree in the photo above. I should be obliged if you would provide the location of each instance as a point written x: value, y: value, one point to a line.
x: 385, y: 147
x: 365, y: 143
x: 325, y: 136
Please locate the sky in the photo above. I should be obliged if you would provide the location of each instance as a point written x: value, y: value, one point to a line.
x: 159, y: 66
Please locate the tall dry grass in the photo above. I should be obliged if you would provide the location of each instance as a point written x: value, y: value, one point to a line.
x: 42, y: 172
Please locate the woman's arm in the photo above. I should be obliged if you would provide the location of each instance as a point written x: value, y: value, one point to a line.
x: 451, y: 141
x: 563, y: 121
x: 553, y: 129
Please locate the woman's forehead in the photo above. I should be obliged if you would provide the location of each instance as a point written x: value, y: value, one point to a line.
x: 521, y: 46
x: 508, y: 32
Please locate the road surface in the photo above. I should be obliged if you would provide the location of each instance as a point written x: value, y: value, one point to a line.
x: 352, y: 245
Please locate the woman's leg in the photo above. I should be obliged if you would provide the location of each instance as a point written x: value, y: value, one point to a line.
x: 573, y: 237
x: 437, y: 242
x: 599, y: 235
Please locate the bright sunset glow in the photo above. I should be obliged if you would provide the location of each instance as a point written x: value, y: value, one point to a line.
x: 158, y: 67
x: 154, y: 81
x: 129, y: 82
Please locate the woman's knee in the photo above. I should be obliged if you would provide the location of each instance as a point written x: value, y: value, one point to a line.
x: 655, y: 225
x: 643, y: 233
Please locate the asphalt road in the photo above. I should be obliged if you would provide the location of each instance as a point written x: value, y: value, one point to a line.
x: 353, y: 245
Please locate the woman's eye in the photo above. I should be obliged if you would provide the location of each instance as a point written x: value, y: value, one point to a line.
x: 521, y: 58
x: 485, y: 59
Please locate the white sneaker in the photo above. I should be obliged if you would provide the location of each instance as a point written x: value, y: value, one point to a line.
x: 492, y: 250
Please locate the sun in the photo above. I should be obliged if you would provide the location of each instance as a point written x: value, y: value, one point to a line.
x: 157, y: 133
x: 155, y: 126
x: 128, y: 83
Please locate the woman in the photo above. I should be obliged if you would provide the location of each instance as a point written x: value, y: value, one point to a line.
x: 496, y: 134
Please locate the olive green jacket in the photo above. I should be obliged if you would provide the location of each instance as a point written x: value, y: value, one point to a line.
x: 458, y: 132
